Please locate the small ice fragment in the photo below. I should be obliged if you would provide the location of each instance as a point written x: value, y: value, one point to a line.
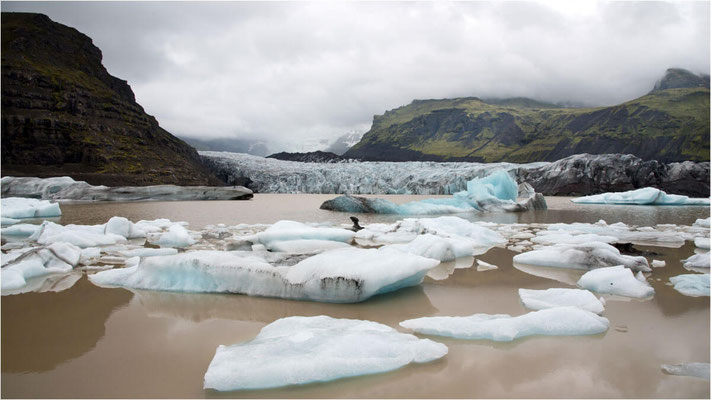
x: 299, y: 350
x: 484, y: 266
x: 658, y: 263
x: 702, y: 242
x: 502, y: 327
x: 697, y: 370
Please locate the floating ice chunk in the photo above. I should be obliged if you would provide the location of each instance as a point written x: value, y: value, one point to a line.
x: 484, y: 266
x: 148, y: 252
x: 79, y: 235
x: 556, y: 297
x: 299, y: 350
x: 697, y: 261
x: 292, y: 230
x: 616, y: 280
x: 18, y: 207
x: 58, y: 257
x: 341, y: 275
x: 644, y: 196
x: 8, y: 221
x: 305, y: 246
x: 581, y: 256
x: 177, y: 236
x: 697, y: 370
x: 694, y: 285
x: 658, y: 263
x: 706, y: 223
x: 436, y: 247
x: 502, y: 327
x: 553, y: 237
x: 20, y: 230
x: 702, y: 242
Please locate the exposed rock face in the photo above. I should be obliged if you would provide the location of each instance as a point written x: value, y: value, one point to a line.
x: 64, y: 114
x: 680, y: 78
x: 585, y: 174
x: 312, y: 157
x: 65, y: 188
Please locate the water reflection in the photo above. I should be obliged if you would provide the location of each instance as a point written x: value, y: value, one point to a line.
x: 42, y: 330
x: 46, y: 283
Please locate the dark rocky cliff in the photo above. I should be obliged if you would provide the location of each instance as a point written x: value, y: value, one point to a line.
x: 64, y: 114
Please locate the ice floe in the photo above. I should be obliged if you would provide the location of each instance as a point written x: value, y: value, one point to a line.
x: 658, y: 264
x: 176, y: 236
x: 644, y: 196
x: 698, y: 261
x: 697, y: 369
x: 285, y: 230
x: 58, y: 257
x: 300, y: 350
x: 702, y: 243
x: 502, y: 327
x: 703, y: 222
x: 484, y: 266
x: 558, y: 297
x: 694, y: 285
x: 581, y: 256
x: 340, y: 275
x: 616, y: 280
x: 18, y: 208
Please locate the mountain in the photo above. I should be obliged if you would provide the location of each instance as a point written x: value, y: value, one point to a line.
x: 667, y: 125
x: 344, y: 142
x: 64, y: 114
x: 253, y: 147
x: 676, y: 78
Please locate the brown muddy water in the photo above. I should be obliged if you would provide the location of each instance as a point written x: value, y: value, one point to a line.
x: 95, y: 342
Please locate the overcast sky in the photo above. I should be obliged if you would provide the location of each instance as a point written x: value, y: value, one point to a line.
x: 296, y: 73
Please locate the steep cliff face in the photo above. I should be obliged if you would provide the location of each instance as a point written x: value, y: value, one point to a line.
x: 667, y: 125
x: 64, y: 114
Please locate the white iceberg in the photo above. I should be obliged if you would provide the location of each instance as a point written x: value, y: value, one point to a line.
x: 616, y: 280
x: 341, y: 275
x: 694, y: 285
x: 556, y: 237
x: 557, y: 297
x: 697, y: 261
x: 697, y: 370
x: 305, y: 246
x: 55, y: 258
x: 176, y: 236
x: 484, y: 266
x: 502, y: 327
x: 703, y: 222
x: 436, y: 247
x: 581, y: 256
x: 292, y: 230
x: 644, y: 196
x: 300, y: 350
x: 18, y: 208
x: 702, y: 243
x: 658, y: 263
x: 20, y: 230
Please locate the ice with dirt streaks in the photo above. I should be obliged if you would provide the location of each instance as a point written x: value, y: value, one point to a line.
x: 300, y: 350
x: 503, y: 328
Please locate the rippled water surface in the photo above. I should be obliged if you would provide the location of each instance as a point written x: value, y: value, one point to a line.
x: 93, y: 342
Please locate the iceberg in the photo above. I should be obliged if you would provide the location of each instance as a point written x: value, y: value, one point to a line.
x: 555, y: 237
x: 300, y: 350
x: 698, y: 261
x: 497, y: 191
x: 342, y: 275
x: 702, y: 243
x: 616, y: 280
x: 56, y: 258
x: 436, y: 247
x: 20, y: 230
x: 644, y: 196
x: 177, y: 236
x: 19, y: 208
x: 549, y: 298
x: 291, y: 230
x: 581, y: 256
x: 484, y: 266
x: 697, y: 370
x: 504, y: 328
x: 704, y: 223
x: 694, y: 285
x: 8, y: 221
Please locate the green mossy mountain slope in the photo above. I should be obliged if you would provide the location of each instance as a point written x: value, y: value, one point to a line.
x: 64, y: 114
x: 666, y: 125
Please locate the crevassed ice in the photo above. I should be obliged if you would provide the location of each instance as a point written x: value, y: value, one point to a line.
x: 581, y: 256
x: 616, y: 280
x: 644, y: 196
x: 340, y: 275
x: 299, y: 350
x: 502, y: 327
x: 692, y: 284
x: 559, y: 297
x: 18, y: 207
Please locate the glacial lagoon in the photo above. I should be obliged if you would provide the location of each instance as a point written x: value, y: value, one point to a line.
x: 82, y: 340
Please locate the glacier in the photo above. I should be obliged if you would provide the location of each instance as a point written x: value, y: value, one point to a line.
x: 643, y: 196
x: 693, y: 285
x: 557, y: 297
x: 300, y: 350
x: 504, y: 328
x: 497, y: 191
x: 344, y: 275
x: 616, y: 280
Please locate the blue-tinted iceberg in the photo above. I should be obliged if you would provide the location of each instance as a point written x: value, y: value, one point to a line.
x: 616, y: 280
x: 694, y: 285
x: 17, y: 208
x: 300, y: 350
x: 342, y: 275
x: 581, y: 256
x: 644, y: 196
x: 558, y: 297
x: 497, y: 191
x: 502, y: 327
